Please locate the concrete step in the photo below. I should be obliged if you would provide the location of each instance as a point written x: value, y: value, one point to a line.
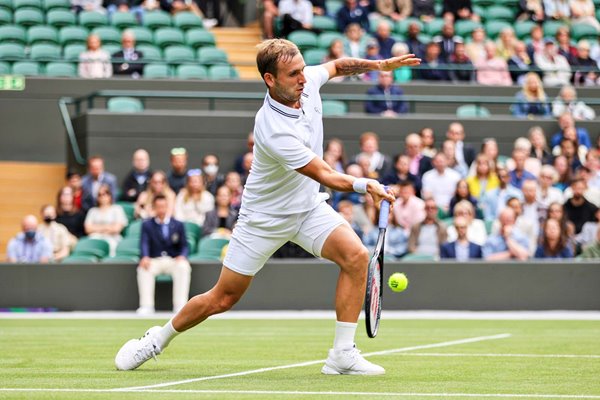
x: 240, y: 46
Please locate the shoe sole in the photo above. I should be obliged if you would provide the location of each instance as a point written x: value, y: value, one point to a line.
x: 327, y: 370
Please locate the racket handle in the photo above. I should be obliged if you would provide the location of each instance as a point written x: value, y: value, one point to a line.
x: 384, y: 212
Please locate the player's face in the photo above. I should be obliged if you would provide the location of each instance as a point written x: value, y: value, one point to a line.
x: 289, y: 83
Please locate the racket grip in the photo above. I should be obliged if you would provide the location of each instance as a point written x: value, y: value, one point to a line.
x: 384, y: 212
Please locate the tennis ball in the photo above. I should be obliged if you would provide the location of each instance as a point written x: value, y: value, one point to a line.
x: 398, y: 282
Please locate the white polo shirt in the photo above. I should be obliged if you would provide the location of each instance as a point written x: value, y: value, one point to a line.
x: 286, y: 139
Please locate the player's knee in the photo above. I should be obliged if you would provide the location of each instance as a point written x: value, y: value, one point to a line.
x: 358, y: 259
x: 226, y: 302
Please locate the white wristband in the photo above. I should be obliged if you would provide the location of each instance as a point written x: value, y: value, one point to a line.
x: 360, y: 185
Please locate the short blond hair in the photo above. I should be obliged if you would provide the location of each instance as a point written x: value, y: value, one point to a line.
x: 271, y: 51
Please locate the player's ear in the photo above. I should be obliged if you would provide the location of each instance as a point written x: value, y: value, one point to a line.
x: 269, y: 79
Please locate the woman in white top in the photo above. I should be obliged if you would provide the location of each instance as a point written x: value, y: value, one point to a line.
x: 583, y: 12
x: 95, y: 62
x: 107, y: 220
x: 194, y: 201
x: 476, y: 232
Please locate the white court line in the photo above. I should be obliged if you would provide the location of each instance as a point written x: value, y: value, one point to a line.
x: 306, y: 393
x: 502, y: 355
x: 307, y: 363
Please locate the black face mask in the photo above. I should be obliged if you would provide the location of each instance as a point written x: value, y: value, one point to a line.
x: 49, y: 219
x: 30, y: 235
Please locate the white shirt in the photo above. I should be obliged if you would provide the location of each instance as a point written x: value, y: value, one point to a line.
x: 441, y: 186
x: 286, y: 139
x: 476, y: 232
x: 300, y: 10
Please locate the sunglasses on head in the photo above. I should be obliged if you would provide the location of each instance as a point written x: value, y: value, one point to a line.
x: 178, y: 151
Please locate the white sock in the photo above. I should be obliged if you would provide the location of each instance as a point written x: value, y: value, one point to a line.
x: 165, y: 335
x: 344, y: 335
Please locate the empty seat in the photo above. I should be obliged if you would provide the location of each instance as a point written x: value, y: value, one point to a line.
x: 550, y: 27
x: 12, y: 34
x: 108, y: 35
x: 42, y: 34
x: 59, y: 18
x: 6, y: 16
x: 150, y: 52
x: 142, y: 34
x: 156, y: 71
x: 164, y: 37
x: 4, y: 67
x: 61, y: 69
x: 464, y: 27
x: 187, y: 20
x: 91, y: 247
x: 493, y: 28
x: 326, y: 38
x: 72, y: 34
x: 134, y: 229
x: 304, y: 39
x: 57, y: 4
x: 79, y: 259
x: 26, y: 68
x: 179, y: 54
x: 12, y: 51
x: 157, y: 19
x: 199, y: 37
x: 45, y: 52
x: 523, y: 28
x: 6, y: 5
x: 111, y: 48
x: 434, y: 27
x: 187, y: 71
x: 334, y: 107
x: 123, y: 20
x: 472, y: 111
x: 222, y: 72
x: 121, y: 259
x: 211, y: 55
x: 402, y: 26
x: 128, y: 209
x: 72, y: 51
x: 210, y: 248
x: 314, y: 56
x: 324, y: 23
x: 37, y: 4
x: 28, y: 17
x: 584, y: 31
x: 124, y: 105
x: 92, y: 19
x: 502, y: 13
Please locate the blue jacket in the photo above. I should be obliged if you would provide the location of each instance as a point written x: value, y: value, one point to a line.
x: 524, y: 108
x: 153, y: 244
x: 448, y: 250
x: 583, y: 137
x: 345, y: 17
x: 379, y: 106
x: 88, y: 200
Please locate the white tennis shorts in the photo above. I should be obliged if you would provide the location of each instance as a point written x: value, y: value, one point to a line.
x: 257, y: 236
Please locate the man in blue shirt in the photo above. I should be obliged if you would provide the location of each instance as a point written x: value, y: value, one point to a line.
x: 386, y: 106
x: 508, y: 243
x: 29, y: 246
x: 566, y: 121
x: 520, y: 174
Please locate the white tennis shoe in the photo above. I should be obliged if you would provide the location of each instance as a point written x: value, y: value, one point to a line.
x: 349, y: 362
x: 137, y: 351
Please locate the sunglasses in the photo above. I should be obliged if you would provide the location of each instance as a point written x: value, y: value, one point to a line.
x: 194, y: 172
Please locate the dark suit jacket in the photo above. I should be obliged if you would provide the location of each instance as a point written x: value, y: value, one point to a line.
x: 468, y: 153
x: 211, y: 222
x: 424, y: 165
x: 131, y: 188
x: 88, y: 200
x: 153, y: 244
x: 447, y: 250
x: 128, y: 67
x: 379, y: 106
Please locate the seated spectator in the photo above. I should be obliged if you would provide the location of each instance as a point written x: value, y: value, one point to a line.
x: 571, y: 150
x: 520, y: 63
x: 494, y: 201
x: 505, y: 45
x: 401, y: 173
x: 384, y: 38
x: 536, y: 41
x: 239, y: 160
x: 564, y: 172
x: 557, y: 9
x: 539, y: 147
x: 563, y: 43
x: 462, y: 194
x: 592, y: 251
x: 74, y: 181
x: 269, y: 12
x: 95, y: 62
x: 408, y: 210
x: 555, y: 67
x: 176, y: 6
x: 531, y: 100
x: 476, y: 232
x: 464, y: 153
x: 440, y: 182
x: 295, y: 15
x: 164, y: 250
x: 69, y: 215
x: 91, y: 182
x: 346, y: 210
x: 556, y: 212
x: 193, y: 201
x: 566, y: 121
x: 533, y: 211
x: 464, y: 71
x: 449, y: 149
x: 157, y: 186
x: 335, y: 51
x: 419, y: 163
x: 566, y: 101
x: 396, y: 239
x: 585, y: 68
x: 587, y: 236
x: 402, y: 74
x: 372, y: 54
x: 379, y: 163
x: 335, y: 147
x: 532, y: 10
x: 554, y: 243
x: 447, y: 41
x: 355, y: 41
x: 62, y: 241
x: 578, y: 209
x: 532, y: 164
x: 212, y: 178
x: 433, y: 68
x: 492, y: 70
x: 508, y: 243
x: 475, y: 49
x: 489, y: 147
x: 461, y: 249
x: 427, y: 236
x: 455, y: 10
x: 583, y: 12
x: 415, y: 46
x: 424, y: 10
x: 234, y: 182
x: 221, y: 219
x: 126, y: 60
x: 137, y: 179
x: 428, y: 141
x: 386, y: 90
x: 87, y: 5
x: 352, y: 12
x: 107, y: 220
x: 485, y: 178
x: 519, y: 173
x: 178, y: 173
x: 396, y: 10
x: 29, y: 246
x: 546, y: 193
x: 246, y: 165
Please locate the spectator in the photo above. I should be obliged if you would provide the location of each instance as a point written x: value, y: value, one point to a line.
x: 508, y: 243
x: 164, y: 250
x: 554, y: 243
x: 440, y: 182
x: 475, y: 49
x: 556, y: 211
x: 461, y: 249
x: 433, y: 67
x: 557, y: 9
x: 269, y: 12
x: 295, y: 15
x: 489, y: 147
x: 396, y: 10
x: 464, y: 71
x: 585, y: 68
x: 536, y: 41
x: 424, y: 10
x: 593, y: 250
x: 427, y: 236
x: 408, y: 210
x: 352, y: 12
x: 563, y: 42
x: 372, y: 54
x: 532, y: 164
x: 359, y: 201
x: 462, y: 194
x: 566, y: 121
x: 346, y: 210
x: 335, y: 147
x: 539, y: 148
x: 386, y: 106
x: 92, y: 181
x: 494, y: 201
x: 69, y: 215
x: 567, y: 101
x: 158, y: 186
x: 178, y: 173
x: 449, y: 149
x: 532, y: 10
x: 193, y: 201
x: 396, y: 239
x: 546, y: 193
x: 476, y: 232
x: 519, y: 174
x: 531, y: 100
x: 533, y: 211
x: 555, y: 67
x: 587, y: 236
x: 384, y: 38
x: 570, y: 149
x: 212, y: 179
x: 29, y: 246
x: 234, y: 182
x: 355, y: 41
x: 107, y: 220
x: 505, y: 45
x: 415, y: 46
x: 57, y: 234
x: 583, y: 12
x: 455, y: 10
x: 401, y: 173
x: 74, y: 181
x: 578, y: 209
x: 177, y: 6
x: 592, y: 193
x: 464, y: 153
x: 137, y: 180
x: 484, y: 179
x: 247, y: 164
x: 95, y: 62
x: 563, y: 169
x: 447, y: 41
x: 419, y: 163
x: 221, y: 219
x: 127, y: 58
x: 492, y: 70
x: 87, y: 5
x: 402, y: 74
x: 428, y: 141
x: 335, y: 51
x: 379, y: 163
x: 520, y: 63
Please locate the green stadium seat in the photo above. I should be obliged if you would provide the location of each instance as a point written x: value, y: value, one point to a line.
x: 92, y: 19
x: 324, y: 23
x: 123, y: 20
x: 304, y: 39
x: 157, y: 19
x: 156, y: 71
x: 164, y: 278
x: 6, y: 5
x: 523, y: 29
x: 45, y: 52
x: 434, y: 27
x: 222, y: 72
x: 61, y: 69
x: 121, y: 259
x: 424, y: 38
x: 30, y: 68
x: 79, y: 259
x: 333, y: 6
x: 192, y: 244
x: 493, y: 28
x: 488, y: 226
x: 12, y: 34
x: 28, y: 17
x: 91, y: 247
x: 314, y: 56
x: 399, y: 38
x: 499, y: 13
x: 326, y: 38
x: 463, y: 28
x: 402, y: 26
x: 212, y: 55
x: 128, y: 209
x: 210, y: 248
x: 550, y: 27
x: 164, y: 37
x: 472, y: 111
x: 6, y: 16
x: 42, y: 34
x: 192, y: 229
x: 199, y: 37
x: 134, y: 229
x: 37, y: 4
x: 124, y: 105
x: 57, y: 5
x: 72, y: 34
x: 12, y: 51
x: 151, y: 52
x: 59, y: 18
x: 483, y: 3
x: 179, y: 54
x: 111, y: 48
x: 108, y: 35
x: 334, y: 108
x: 478, y: 10
x: 191, y: 72
x: 417, y: 257
x: 584, y: 31
x: 142, y: 34
x: 598, y: 13
x: 129, y: 247
x: 4, y: 68
x: 187, y: 20
x: 72, y: 51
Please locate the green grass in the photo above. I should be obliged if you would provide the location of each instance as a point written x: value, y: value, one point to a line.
x: 78, y: 354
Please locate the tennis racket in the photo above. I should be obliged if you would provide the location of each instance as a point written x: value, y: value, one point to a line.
x: 374, y: 291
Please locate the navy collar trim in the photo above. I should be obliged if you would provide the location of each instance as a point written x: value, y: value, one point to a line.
x: 289, y: 112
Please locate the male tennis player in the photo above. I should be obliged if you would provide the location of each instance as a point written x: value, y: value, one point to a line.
x: 281, y: 202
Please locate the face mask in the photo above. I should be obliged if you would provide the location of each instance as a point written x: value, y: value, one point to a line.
x: 211, y: 169
x: 29, y: 235
x: 48, y: 219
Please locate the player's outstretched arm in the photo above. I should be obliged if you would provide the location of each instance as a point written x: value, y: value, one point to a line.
x: 353, y: 66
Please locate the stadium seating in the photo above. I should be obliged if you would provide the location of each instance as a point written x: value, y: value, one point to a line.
x: 72, y: 34
x: 187, y: 20
x: 314, y: 56
x: 210, y: 249
x: 499, y: 13
x: 129, y: 246
x: 494, y: 27
x: 464, y: 28
x: 30, y: 68
x: 71, y: 51
x: 326, y: 38
x: 156, y: 71
x: 5, y: 16
x: 4, y: 67
x: 143, y: 35
x: 179, y: 54
x: 334, y: 107
x: 196, y: 38
x: 57, y: 5
x: 550, y: 27
x: 79, y: 259
x: 123, y: 20
x: 134, y: 229
x: 28, y: 17
x: 304, y: 39
x: 6, y: 5
x: 157, y: 19
x: 121, y: 259
x: 221, y: 72
x: 92, y: 19
x: 128, y: 209
x: 191, y: 72
x: 124, y: 105
x: 61, y: 69
x: 523, y: 29
x: 45, y: 52
x: 91, y: 247
x: 324, y: 23
x: 13, y: 34
x: 12, y: 51
x: 584, y: 31
x: 193, y: 230
x: 434, y: 27
x: 108, y: 35
x: 42, y: 34
x: 212, y: 55
x: 472, y: 111
x: 402, y: 26
x: 164, y: 37
x: 35, y: 4
x: 150, y: 52
x: 59, y: 18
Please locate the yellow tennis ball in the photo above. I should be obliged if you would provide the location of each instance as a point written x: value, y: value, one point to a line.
x: 398, y: 282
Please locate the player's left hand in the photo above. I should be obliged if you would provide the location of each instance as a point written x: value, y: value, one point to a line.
x: 407, y: 60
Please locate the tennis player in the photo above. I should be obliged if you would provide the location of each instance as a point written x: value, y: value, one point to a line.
x: 281, y: 202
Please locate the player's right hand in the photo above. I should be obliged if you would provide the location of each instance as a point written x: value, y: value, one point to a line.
x: 379, y: 193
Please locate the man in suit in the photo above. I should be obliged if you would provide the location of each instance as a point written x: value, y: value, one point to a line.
x: 127, y: 57
x: 164, y: 250
x: 464, y: 153
x: 419, y: 163
x: 447, y: 41
x: 386, y: 107
x: 137, y: 180
x: 461, y: 249
x: 91, y: 182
